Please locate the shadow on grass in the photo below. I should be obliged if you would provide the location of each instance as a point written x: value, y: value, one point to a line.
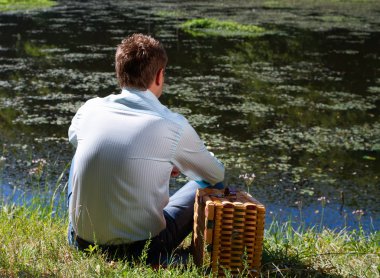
x: 279, y: 263
x: 21, y: 273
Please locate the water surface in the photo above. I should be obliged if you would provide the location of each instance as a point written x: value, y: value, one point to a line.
x: 299, y: 107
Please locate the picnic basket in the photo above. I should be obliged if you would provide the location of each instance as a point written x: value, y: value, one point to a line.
x: 228, y: 231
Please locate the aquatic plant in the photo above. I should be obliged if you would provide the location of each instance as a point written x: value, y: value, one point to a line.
x: 38, y: 50
x: 224, y: 28
x: 171, y: 13
x: 323, y: 201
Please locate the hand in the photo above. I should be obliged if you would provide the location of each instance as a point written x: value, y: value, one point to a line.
x: 175, y: 172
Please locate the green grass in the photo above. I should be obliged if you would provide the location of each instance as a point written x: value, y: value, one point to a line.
x: 215, y: 27
x: 16, y: 5
x: 33, y: 244
x: 310, y: 253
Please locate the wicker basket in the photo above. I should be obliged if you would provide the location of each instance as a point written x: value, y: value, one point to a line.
x: 228, y: 231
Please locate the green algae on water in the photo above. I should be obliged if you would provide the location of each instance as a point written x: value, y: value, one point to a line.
x: 34, y: 50
x: 215, y: 27
x: 17, y: 5
x: 170, y: 13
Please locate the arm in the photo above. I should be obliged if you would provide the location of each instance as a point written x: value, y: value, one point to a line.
x: 195, y: 161
x: 74, y: 127
x: 73, y: 132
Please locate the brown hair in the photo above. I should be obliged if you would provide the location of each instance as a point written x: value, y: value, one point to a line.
x: 137, y: 61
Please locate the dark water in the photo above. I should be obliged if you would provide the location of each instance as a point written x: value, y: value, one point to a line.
x: 299, y: 107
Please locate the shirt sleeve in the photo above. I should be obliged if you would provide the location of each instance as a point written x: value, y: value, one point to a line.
x: 74, y: 127
x: 195, y: 161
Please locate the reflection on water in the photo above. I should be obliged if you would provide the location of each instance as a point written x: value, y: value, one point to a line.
x: 299, y: 107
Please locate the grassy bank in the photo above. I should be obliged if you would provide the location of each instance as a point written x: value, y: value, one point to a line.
x: 33, y: 244
x: 15, y: 5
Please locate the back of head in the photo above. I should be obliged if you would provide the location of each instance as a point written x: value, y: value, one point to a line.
x: 138, y: 59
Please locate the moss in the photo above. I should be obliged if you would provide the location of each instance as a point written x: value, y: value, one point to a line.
x: 15, y: 5
x: 289, y: 4
x: 170, y: 13
x: 215, y: 27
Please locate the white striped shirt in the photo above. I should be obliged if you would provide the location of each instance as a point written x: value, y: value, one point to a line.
x: 127, y: 145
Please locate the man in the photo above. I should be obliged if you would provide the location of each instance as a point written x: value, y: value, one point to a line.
x: 127, y: 147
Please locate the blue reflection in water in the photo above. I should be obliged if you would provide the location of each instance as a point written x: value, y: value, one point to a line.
x: 35, y: 198
x: 311, y: 216
x: 334, y: 217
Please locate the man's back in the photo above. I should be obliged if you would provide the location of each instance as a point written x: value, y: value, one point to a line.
x: 115, y: 148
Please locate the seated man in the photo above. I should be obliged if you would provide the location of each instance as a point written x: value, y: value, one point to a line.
x: 127, y: 147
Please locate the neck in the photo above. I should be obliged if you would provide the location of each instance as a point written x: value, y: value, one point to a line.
x: 155, y: 90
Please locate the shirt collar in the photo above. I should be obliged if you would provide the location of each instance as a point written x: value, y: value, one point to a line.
x: 146, y: 96
x: 147, y: 93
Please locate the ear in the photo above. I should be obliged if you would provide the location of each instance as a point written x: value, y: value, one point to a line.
x: 159, y: 77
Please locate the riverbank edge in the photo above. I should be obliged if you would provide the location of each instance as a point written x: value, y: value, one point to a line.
x: 24, y: 5
x: 34, y: 244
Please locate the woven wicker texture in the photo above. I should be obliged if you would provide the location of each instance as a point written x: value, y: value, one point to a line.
x: 228, y: 231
